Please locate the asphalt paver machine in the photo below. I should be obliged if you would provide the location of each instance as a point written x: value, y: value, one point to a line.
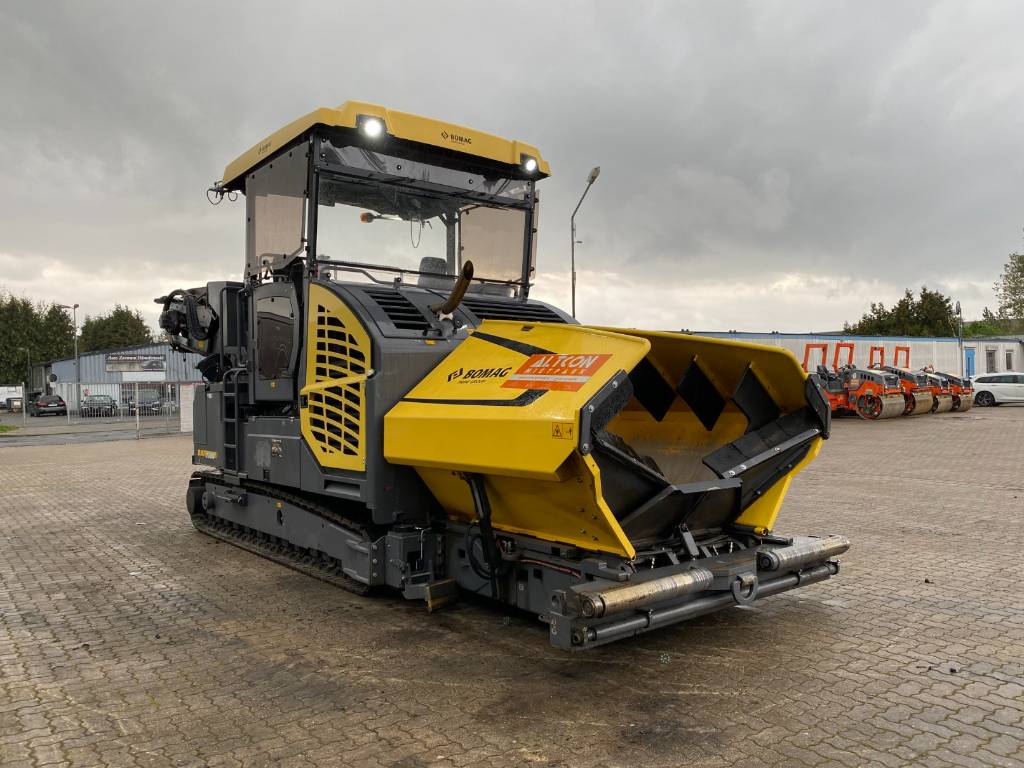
x: 385, y: 406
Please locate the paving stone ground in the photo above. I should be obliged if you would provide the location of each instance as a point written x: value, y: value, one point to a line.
x: 129, y: 639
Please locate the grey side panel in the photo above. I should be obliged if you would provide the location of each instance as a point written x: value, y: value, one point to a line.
x: 208, y: 426
x: 396, y: 493
x: 199, y: 428
x: 273, y: 450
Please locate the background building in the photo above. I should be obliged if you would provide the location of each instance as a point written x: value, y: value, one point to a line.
x: 155, y: 370
x: 980, y: 355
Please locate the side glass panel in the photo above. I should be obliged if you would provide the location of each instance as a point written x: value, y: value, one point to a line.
x: 274, y: 328
x: 276, y: 212
x: 492, y: 238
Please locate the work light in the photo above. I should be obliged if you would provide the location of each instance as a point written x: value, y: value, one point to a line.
x: 372, y: 127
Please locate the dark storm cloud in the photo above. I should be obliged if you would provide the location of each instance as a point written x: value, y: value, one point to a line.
x: 763, y: 164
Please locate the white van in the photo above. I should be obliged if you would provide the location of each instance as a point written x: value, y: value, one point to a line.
x: 996, y: 388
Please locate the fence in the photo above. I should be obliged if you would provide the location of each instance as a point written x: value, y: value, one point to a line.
x: 145, y: 406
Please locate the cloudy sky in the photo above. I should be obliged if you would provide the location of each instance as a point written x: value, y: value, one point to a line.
x: 765, y: 165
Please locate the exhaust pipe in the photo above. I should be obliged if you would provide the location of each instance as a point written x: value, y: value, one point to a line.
x: 801, y: 552
x: 594, y: 605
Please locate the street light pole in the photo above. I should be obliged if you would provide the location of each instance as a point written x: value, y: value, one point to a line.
x: 28, y: 386
x: 572, y: 222
x: 28, y: 355
x: 78, y: 377
x: 960, y: 336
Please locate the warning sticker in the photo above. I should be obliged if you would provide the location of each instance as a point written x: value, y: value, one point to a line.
x: 550, y: 371
x: 562, y: 430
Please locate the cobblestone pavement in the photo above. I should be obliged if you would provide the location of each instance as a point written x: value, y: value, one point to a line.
x: 127, y: 638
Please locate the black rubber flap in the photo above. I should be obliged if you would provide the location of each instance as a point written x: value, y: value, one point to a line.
x: 753, y: 399
x: 701, y: 395
x: 651, y: 390
x: 816, y: 399
x: 610, y: 403
x: 628, y: 480
x: 702, y: 506
x: 765, y: 440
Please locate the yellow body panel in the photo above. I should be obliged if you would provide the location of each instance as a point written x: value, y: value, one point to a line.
x: 762, y: 513
x: 474, y: 413
x: 338, y: 363
x: 402, y: 125
x: 568, y: 511
x: 726, y: 361
x: 466, y: 433
x: 459, y: 419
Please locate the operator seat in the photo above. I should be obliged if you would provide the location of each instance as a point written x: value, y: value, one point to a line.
x: 438, y: 277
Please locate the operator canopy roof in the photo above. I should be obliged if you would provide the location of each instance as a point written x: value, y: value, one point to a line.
x: 400, y: 125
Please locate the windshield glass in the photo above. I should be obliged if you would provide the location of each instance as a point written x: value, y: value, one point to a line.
x: 431, y: 231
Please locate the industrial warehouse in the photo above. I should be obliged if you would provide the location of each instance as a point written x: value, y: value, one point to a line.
x: 965, y: 357
x: 117, y: 373
x: 323, y: 445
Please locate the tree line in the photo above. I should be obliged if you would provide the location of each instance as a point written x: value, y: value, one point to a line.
x: 43, y: 332
x: 930, y: 313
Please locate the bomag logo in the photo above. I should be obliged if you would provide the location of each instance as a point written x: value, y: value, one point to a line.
x: 456, y: 138
x: 478, y: 374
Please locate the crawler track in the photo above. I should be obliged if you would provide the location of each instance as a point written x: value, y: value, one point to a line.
x: 310, y: 562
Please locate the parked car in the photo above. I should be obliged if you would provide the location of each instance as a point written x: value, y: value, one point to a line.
x: 47, y: 405
x: 147, y: 406
x: 98, y: 405
x: 998, y: 388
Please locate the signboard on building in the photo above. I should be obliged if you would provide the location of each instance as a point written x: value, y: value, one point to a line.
x: 134, y: 362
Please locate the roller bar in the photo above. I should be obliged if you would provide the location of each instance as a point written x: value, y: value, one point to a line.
x: 645, y: 622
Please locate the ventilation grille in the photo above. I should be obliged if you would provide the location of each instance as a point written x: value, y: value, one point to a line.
x: 400, y: 311
x: 337, y: 414
x: 489, y: 309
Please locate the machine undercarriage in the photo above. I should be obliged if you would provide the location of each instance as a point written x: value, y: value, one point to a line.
x: 585, y: 600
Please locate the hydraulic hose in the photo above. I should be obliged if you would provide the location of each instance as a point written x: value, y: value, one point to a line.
x: 492, y: 554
